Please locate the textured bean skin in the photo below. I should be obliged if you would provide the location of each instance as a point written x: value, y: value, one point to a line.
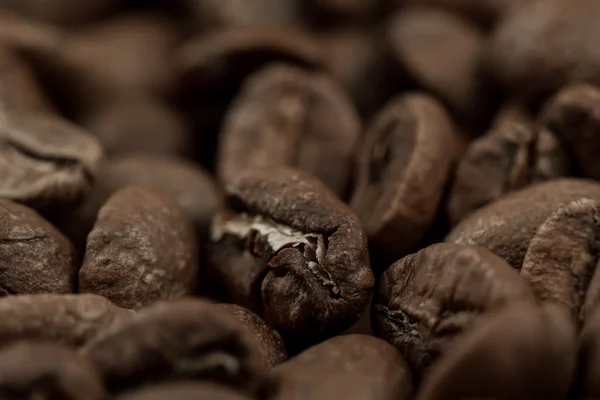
x: 141, y: 250
x: 426, y: 299
x: 305, y: 268
x: 349, y: 366
x: 507, y: 225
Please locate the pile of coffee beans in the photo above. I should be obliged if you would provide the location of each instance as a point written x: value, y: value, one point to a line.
x: 299, y: 199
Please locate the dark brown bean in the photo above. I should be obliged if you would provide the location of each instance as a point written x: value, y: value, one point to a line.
x: 562, y: 258
x: 292, y: 251
x: 589, y: 357
x: 515, y: 153
x: 507, y: 225
x: 71, y: 320
x: 535, y: 58
x: 64, y: 11
x: 348, y: 367
x: 574, y: 115
x: 286, y: 116
x: 183, y: 391
x: 142, y: 249
x: 36, y: 257
x: 47, y: 162
x: 403, y: 167
x: 36, y: 370
x: 269, y: 342
x: 442, y: 53
x: 177, y: 340
x: 521, y: 352
x: 426, y: 299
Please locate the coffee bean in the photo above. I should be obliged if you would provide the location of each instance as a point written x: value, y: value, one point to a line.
x: 36, y: 257
x: 544, y: 45
x: 177, y: 340
x: 421, y: 40
x: 32, y: 370
x: 71, y: 319
x: 183, y: 391
x: 19, y: 89
x: 348, y: 366
x: 142, y: 249
x: 403, y: 167
x: 515, y: 153
x: 574, y: 115
x: 426, y: 299
x: 589, y: 357
x: 134, y: 123
x: 338, y: 11
x: 47, y: 162
x: 292, y: 251
x: 286, y: 116
x: 520, y: 352
x: 64, y: 11
x: 561, y: 260
x: 269, y: 342
x: 507, y: 225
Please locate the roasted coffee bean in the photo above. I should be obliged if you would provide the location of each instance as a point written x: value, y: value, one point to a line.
x: 422, y: 40
x: 187, y: 183
x: 574, y: 115
x: 213, y: 14
x: 561, y: 261
x: 71, y: 319
x: 544, y: 45
x: 348, y: 367
x: 269, y: 342
x: 64, y: 11
x: 515, y: 153
x: 142, y: 249
x: 507, y: 225
x: 403, y: 168
x: 134, y: 123
x: 589, y: 358
x: 47, y: 162
x: 521, y: 352
x: 36, y: 257
x: 426, y: 299
x: 183, y: 391
x: 37, y: 370
x: 128, y: 52
x: 19, y: 89
x: 177, y: 340
x: 286, y: 116
x: 292, y: 251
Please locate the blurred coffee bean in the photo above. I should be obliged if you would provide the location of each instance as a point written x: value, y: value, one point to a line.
x: 442, y: 54
x: 562, y: 258
x: 142, y: 249
x: 69, y: 319
x: 62, y: 11
x: 403, y: 167
x: 289, y: 249
x: 329, y: 12
x: 349, y: 367
x: 37, y: 370
x: 521, y: 352
x: 130, y: 51
x: 269, y: 342
x: 516, y: 152
x: 355, y: 57
x: 287, y: 116
x: 574, y: 115
x: 47, y: 162
x: 19, y: 89
x: 183, y: 391
x: 507, y: 225
x: 37, y: 258
x: 428, y: 298
x: 544, y: 45
x: 186, y: 182
x: 139, y: 123
x: 588, y: 385
x: 177, y: 340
